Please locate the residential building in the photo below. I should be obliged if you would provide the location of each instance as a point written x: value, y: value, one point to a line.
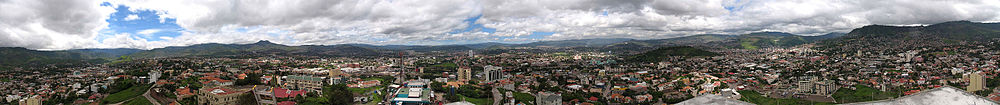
x: 976, y: 82
x: 220, y: 96
x: 34, y: 100
x: 546, y: 98
x: 464, y: 74
x: 302, y: 82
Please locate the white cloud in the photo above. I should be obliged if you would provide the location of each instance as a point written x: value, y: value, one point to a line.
x: 62, y: 25
x: 132, y: 17
x: 148, y: 31
x: 51, y: 24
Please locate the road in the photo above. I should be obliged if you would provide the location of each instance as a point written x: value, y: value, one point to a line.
x: 497, y: 96
x: 149, y: 98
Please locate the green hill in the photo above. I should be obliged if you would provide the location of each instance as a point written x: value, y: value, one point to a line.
x: 902, y: 38
x: 663, y: 53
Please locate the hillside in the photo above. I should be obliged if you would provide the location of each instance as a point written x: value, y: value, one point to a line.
x: 901, y: 38
x: 665, y: 52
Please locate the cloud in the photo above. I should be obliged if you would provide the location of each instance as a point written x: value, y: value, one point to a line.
x: 62, y: 25
x: 51, y: 24
x: 148, y: 31
x: 132, y: 17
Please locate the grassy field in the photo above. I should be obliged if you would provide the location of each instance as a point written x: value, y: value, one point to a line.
x: 863, y: 93
x: 126, y: 94
x: 524, y: 97
x: 478, y: 101
x: 138, y: 101
x: 748, y: 44
x: 363, y: 90
x: 760, y: 99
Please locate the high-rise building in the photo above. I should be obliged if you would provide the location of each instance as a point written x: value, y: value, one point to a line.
x: 33, y: 100
x: 472, y: 54
x: 492, y: 73
x: 464, y: 74
x: 976, y: 82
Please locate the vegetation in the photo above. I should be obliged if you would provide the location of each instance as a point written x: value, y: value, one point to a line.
x: 524, y: 97
x: 132, y: 92
x: 663, y: 53
x: 863, y: 93
x: 336, y: 94
x: 138, y: 101
x: 757, y: 98
x: 478, y: 101
x: 251, y: 79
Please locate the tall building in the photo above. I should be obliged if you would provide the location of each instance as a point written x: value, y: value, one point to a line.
x: 472, y: 54
x: 464, y: 74
x: 546, y: 98
x: 154, y: 76
x: 492, y: 73
x: 34, y: 100
x: 976, y: 82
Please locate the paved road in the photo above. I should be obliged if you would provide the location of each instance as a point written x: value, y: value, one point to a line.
x: 149, y: 98
x: 497, y: 96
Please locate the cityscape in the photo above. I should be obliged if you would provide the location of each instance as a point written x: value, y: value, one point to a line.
x: 499, y: 52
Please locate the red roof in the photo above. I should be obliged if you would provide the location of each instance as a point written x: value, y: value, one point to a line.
x: 286, y: 103
x: 284, y: 93
x: 184, y: 91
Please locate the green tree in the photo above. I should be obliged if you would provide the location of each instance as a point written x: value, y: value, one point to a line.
x: 247, y: 99
x: 338, y: 94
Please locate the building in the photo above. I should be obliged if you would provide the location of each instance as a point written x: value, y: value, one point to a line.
x: 976, y: 82
x: 220, y: 96
x: 301, y: 82
x: 464, y: 74
x: 336, y: 73
x: 213, y: 82
x: 492, y: 73
x: 472, y: 54
x: 365, y: 84
x: 154, y: 76
x: 412, y: 96
x: 415, y: 92
x: 546, y: 98
x: 266, y: 95
x: 34, y: 100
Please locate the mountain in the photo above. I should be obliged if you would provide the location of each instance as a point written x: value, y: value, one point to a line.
x: 485, y: 45
x: 902, y: 38
x: 16, y: 56
x: 665, y: 52
x: 105, y: 53
x: 262, y: 48
x: 266, y: 48
x: 575, y: 43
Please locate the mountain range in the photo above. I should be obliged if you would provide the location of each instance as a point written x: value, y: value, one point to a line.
x: 947, y: 32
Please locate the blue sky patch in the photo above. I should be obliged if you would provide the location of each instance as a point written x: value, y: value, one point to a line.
x: 141, y: 20
x: 473, y: 26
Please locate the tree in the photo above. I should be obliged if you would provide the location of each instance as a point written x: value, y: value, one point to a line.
x: 251, y: 79
x: 438, y: 86
x: 338, y: 94
x: 247, y: 99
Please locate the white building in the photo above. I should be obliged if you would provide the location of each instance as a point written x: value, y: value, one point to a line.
x: 492, y: 73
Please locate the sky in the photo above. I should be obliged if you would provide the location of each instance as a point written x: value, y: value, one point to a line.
x: 149, y: 24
